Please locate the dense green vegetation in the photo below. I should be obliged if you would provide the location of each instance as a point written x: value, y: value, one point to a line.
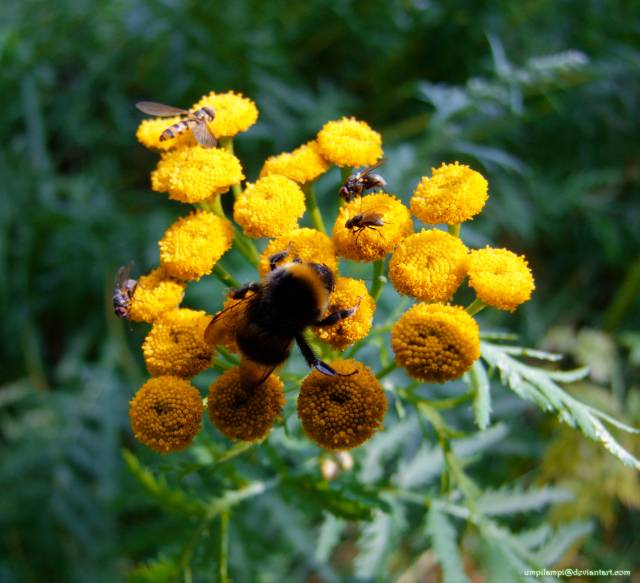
x: 542, y: 97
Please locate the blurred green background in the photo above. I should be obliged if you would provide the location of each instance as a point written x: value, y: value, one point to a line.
x: 542, y: 97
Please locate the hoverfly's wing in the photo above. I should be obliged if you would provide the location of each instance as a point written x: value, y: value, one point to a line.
x: 122, y: 275
x: 159, y: 109
x: 224, y: 323
x: 370, y: 169
x: 203, y: 135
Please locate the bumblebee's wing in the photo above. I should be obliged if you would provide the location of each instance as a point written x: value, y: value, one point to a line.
x: 226, y: 321
x: 203, y: 135
x: 159, y: 109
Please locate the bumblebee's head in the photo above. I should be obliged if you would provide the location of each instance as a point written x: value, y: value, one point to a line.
x: 325, y: 274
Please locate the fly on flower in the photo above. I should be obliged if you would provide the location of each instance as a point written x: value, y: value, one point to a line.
x: 359, y: 182
x: 196, y: 121
x: 123, y: 289
x: 366, y: 220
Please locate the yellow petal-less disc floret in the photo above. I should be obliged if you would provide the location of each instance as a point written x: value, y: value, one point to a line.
x: 429, y: 265
x: 192, y: 173
x: 305, y: 244
x: 270, y: 207
x: 436, y: 343
x: 235, y: 113
x: 374, y: 242
x: 191, y: 247
x: 349, y: 142
x: 150, y: 130
x: 155, y: 294
x: 348, y: 293
x: 452, y: 195
x: 242, y: 409
x: 500, y: 278
x: 341, y: 412
x: 166, y: 413
x: 304, y: 164
x: 176, y: 346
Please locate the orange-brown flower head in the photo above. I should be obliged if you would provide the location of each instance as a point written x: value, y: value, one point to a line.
x: 305, y: 164
x: 436, y: 343
x: 305, y: 244
x: 176, y: 345
x: 349, y: 142
x: 500, y: 278
x: 348, y: 293
x: 429, y: 266
x: 166, y: 413
x: 341, y: 412
x: 242, y: 409
x: 155, y: 294
x: 235, y: 113
x: 192, y: 246
x: 378, y: 222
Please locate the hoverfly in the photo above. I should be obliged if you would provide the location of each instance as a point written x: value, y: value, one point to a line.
x: 366, y: 220
x: 196, y: 121
x: 123, y: 289
x: 358, y: 183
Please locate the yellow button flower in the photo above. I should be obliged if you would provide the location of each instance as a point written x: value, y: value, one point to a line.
x: 370, y: 243
x: 349, y: 142
x: 235, y: 113
x: 166, y: 414
x: 176, y: 345
x: 452, y: 195
x: 348, y: 293
x: 270, y: 207
x: 155, y: 294
x: 192, y: 173
x: 429, y: 266
x: 341, y: 412
x: 500, y: 278
x: 305, y: 244
x: 191, y: 247
x: 242, y: 410
x: 304, y: 164
x: 149, y: 132
x: 436, y: 343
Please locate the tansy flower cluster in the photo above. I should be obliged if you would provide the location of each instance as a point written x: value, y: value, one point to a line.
x: 277, y: 221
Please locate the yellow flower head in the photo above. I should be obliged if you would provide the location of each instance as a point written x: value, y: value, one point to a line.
x: 166, y: 413
x: 176, y: 345
x: 349, y: 142
x: 234, y: 113
x: 270, y: 207
x: 348, y: 293
x: 149, y: 132
x: 436, y: 343
x: 305, y: 244
x: 304, y: 164
x: 341, y: 412
x: 371, y: 243
x: 243, y: 410
x: 155, y: 294
x: 500, y: 278
x: 191, y: 246
x: 192, y: 173
x: 452, y: 195
x: 429, y: 266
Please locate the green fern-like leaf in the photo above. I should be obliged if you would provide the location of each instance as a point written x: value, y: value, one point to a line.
x: 445, y: 546
x: 516, y: 500
x: 482, y: 401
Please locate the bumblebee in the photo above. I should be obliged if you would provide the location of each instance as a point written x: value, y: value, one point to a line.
x: 123, y: 289
x: 358, y: 183
x: 274, y: 312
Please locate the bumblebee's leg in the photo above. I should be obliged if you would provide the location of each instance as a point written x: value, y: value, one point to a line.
x: 312, y: 360
x: 241, y: 292
x: 338, y: 315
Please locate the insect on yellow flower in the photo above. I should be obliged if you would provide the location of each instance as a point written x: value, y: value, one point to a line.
x: 342, y: 412
x: 155, y: 294
x: 191, y: 247
x: 270, y: 207
x: 429, y: 266
x: 235, y: 113
x: 166, y: 413
x: 240, y: 408
x: 150, y: 130
x: 436, y: 343
x: 349, y: 142
x: 305, y: 164
x: 455, y: 193
x: 500, y: 278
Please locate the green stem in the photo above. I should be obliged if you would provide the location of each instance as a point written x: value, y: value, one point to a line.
x: 312, y: 205
x: 215, y: 203
x: 246, y: 247
x: 393, y: 365
x: 454, y: 230
x: 475, y: 306
x: 378, y: 279
x: 227, y: 144
x: 452, y: 401
x: 224, y: 546
x: 225, y: 277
